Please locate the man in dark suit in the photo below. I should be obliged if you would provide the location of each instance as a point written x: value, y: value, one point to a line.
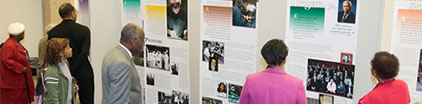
x: 346, y: 15
x: 80, y: 42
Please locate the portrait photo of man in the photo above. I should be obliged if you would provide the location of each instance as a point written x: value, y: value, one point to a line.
x: 347, y: 11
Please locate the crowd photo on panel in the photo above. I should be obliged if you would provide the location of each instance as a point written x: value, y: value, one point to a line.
x: 330, y: 77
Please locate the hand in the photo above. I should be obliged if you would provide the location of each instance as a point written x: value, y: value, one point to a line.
x: 185, y: 34
x: 24, y: 70
x: 172, y: 33
x: 76, y: 87
x: 75, y: 84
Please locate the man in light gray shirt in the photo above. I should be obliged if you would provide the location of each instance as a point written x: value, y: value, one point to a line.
x: 121, y: 83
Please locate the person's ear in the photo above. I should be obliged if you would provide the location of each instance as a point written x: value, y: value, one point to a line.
x: 373, y: 72
x: 284, y: 61
x: 132, y: 41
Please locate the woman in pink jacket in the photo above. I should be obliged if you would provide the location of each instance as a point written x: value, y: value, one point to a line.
x: 273, y: 85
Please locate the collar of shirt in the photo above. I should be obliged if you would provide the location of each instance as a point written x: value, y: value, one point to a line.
x: 347, y: 13
x: 127, y: 50
x: 274, y: 70
x: 63, y: 63
x: 176, y: 10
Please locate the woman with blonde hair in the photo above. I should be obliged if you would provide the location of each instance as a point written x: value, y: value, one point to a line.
x: 58, y: 81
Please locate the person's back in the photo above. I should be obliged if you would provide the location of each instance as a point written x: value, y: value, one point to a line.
x: 115, y: 56
x: 389, y: 92
x: 80, y: 42
x: 79, y: 37
x: 385, y: 67
x: 120, y: 80
x: 274, y: 86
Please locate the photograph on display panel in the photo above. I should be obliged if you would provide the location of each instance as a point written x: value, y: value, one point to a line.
x: 177, y: 19
x: 213, y: 50
x: 213, y: 64
x: 234, y: 93
x: 330, y: 77
x: 180, y: 98
x: 244, y: 13
x: 174, y: 98
x: 150, y: 79
x: 158, y: 57
x: 222, y: 89
x: 347, y: 11
x: 207, y: 100
x: 165, y: 98
x: 419, y: 83
x: 174, y: 68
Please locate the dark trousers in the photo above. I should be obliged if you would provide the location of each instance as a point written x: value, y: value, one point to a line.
x: 86, y: 90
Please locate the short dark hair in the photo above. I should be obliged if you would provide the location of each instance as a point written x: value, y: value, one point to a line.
x: 66, y: 9
x: 129, y: 31
x: 385, y: 65
x: 274, y: 52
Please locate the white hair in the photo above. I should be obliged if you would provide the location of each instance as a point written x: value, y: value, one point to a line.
x: 350, y: 3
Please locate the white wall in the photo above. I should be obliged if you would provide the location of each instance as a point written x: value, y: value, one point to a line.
x: 194, y: 43
x: 369, y: 42
x: 105, y: 35
x: 270, y: 25
x: 28, y: 12
x: 387, y: 25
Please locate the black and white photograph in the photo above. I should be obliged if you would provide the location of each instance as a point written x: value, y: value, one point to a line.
x: 212, y: 49
x: 180, y: 98
x: 165, y: 98
x: 174, y: 68
x: 158, y: 57
x: 207, y: 100
x: 244, y: 13
x: 234, y: 93
x: 419, y: 83
x: 330, y: 78
x: 177, y: 19
x: 222, y: 89
x: 150, y: 79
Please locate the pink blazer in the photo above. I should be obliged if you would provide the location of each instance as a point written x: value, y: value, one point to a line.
x: 272, y: 86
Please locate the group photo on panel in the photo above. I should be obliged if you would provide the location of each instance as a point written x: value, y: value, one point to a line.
x: 63, y: 73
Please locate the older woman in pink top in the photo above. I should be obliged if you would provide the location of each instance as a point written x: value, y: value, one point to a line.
x: 273, y: 85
